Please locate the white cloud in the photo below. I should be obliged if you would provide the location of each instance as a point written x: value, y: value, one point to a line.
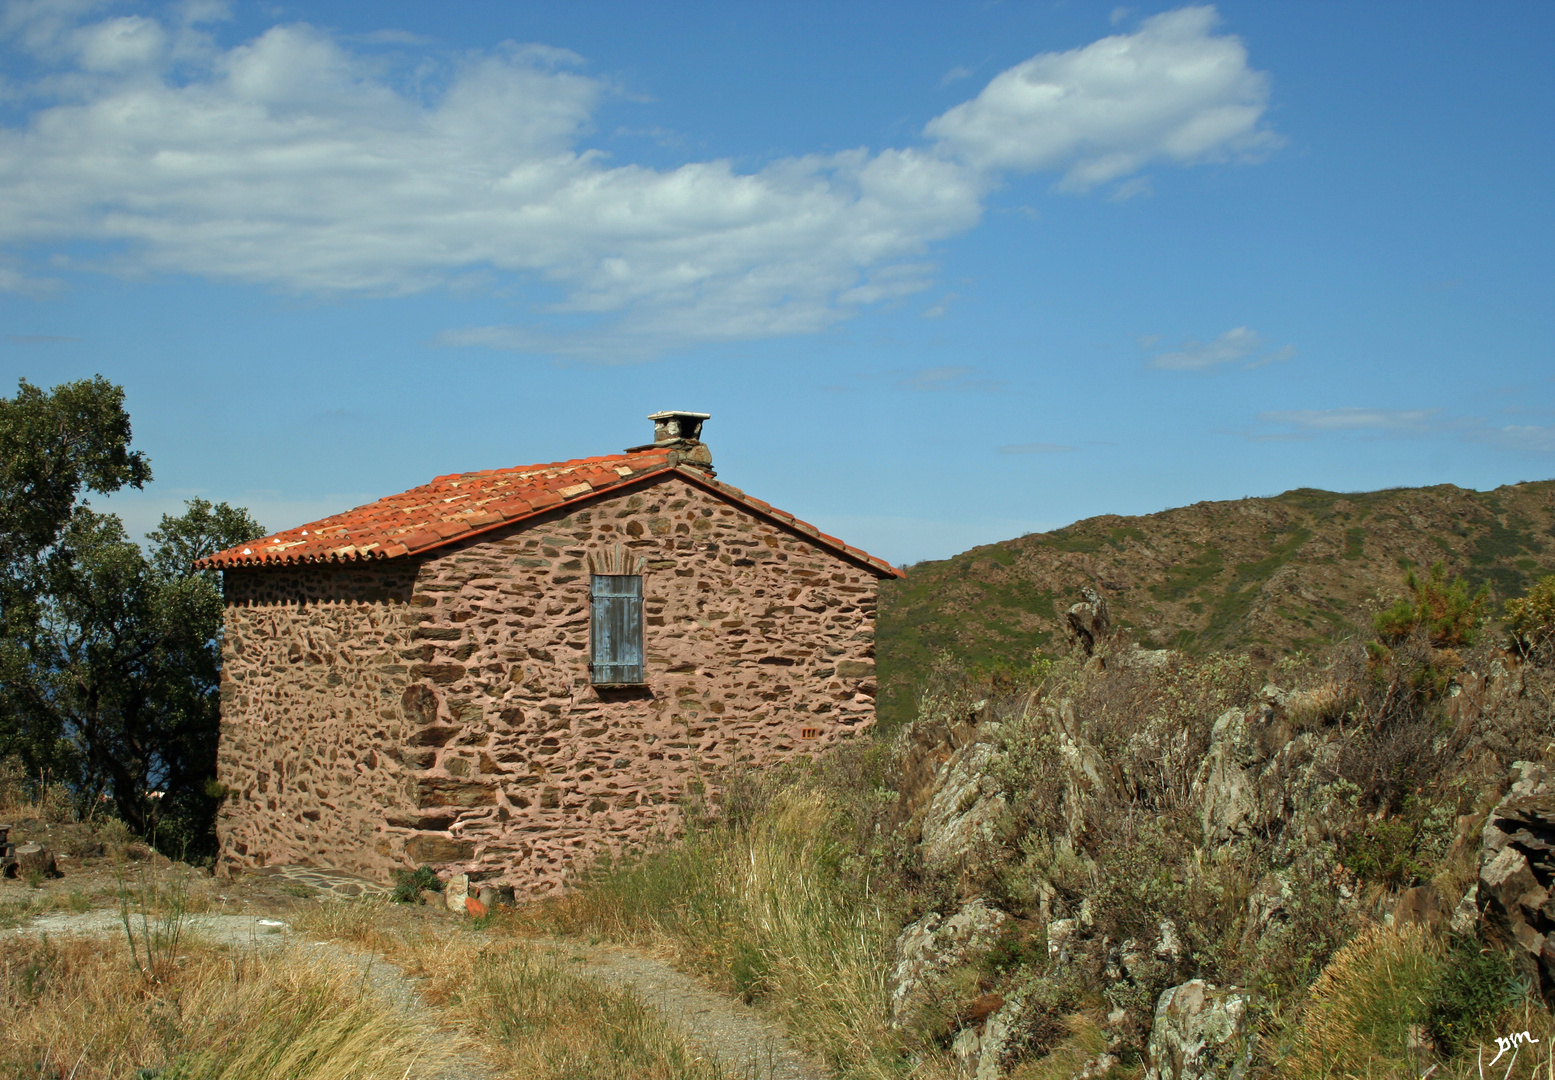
x: 292, y: 162
x: 1237, y: 344
x: 1405, y: 423
x: 1352, y: 419
x: 1172, y: 91
x: 950, y: 377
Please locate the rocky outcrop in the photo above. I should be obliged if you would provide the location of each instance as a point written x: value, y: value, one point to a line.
x: 965, y: 810
x: 931, y: 947
x: 1089, y: 621
x: 1516, y: 888
x: 1200, y: 1032
x: 985, y: 1051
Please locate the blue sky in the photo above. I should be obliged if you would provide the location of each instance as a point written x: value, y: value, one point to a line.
x: 941, y: 273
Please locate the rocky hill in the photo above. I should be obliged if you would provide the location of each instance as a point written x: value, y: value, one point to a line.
x: 1271, y: 575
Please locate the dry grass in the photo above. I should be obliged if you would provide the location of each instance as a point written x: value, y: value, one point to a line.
x: 1364, y: 1014
x: 770, y: 909
x: 79, y: 1007
x: 520, y: 1000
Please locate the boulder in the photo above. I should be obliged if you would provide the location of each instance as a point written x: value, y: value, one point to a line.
x: 1516, y: 888
x: 35, y: 858
x: 966, y: 807
x: 1422, y: 905
x: 1088, y: 778
x: 456, y: 892
x: 1089, y: 620
x: 991, y: 1048
x: 1225, y: 789
x: 1061, y: 936
x: 932, y: 946
x: 1200, y: 1032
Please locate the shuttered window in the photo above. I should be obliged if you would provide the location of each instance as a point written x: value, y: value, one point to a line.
x: 616, y: 629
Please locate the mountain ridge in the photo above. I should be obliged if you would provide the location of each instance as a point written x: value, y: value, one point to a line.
x: 1274, y: 575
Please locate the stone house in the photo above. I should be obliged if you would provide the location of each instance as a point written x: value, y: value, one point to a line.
x: 509, y: 673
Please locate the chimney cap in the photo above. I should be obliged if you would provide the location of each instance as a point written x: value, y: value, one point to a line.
x: 677, y: 424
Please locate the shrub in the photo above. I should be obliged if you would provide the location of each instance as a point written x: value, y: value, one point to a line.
x: 1530, y: 623
x: 408, y: 884
x: 1443, y: 610
x: 1366, y: 1012
x: 1477, y: 987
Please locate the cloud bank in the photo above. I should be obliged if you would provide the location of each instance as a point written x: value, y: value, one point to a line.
x: 296, y: 162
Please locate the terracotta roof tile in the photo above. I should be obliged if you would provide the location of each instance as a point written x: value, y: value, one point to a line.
x: 460, y: 505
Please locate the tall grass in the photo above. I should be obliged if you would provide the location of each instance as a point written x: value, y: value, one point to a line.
x: 79, y: 1007
x: 773, y: 906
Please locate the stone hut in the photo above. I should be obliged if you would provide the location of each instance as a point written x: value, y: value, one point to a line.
x: 509, y: 673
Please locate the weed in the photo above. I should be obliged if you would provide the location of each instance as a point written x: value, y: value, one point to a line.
x: 408, y: 884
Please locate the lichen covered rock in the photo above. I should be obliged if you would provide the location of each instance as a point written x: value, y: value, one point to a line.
x: 930, y: 947
x: 1200, y: 1032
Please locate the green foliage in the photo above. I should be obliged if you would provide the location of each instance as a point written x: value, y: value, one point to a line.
x: 408, y: 884
x: 54, y: 446
x: 1402, y: 850
x: 1478, y: 985
x: 109, y: 654
x: 1445, y: 611
x: 1530, y: 622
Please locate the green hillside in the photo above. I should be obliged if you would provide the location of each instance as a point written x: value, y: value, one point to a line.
x: 1271, y: 575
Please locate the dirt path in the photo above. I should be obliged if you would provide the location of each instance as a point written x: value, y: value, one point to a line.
x: 745, y: 1041
x: 748, y: 1044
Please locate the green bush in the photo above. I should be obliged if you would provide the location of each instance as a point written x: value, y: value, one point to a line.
x: 1530, y: 622
x: 408, y: 884
x: 1444, y: 610
x: 1477, y: 986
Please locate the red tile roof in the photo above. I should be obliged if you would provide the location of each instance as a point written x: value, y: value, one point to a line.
x: 466, y: 504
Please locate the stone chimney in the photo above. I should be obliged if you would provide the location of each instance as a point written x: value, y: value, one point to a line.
x: 680, y: 433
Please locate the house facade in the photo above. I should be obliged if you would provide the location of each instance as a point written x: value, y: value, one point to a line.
x: 510, y: 673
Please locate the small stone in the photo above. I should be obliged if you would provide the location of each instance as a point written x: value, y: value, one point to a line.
x: 431, y: 897
x: 474, y: 907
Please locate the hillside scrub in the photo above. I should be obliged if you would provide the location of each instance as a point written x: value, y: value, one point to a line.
x: 1271, y: 576
x: 1530, y: 623
x: 1133, y: 821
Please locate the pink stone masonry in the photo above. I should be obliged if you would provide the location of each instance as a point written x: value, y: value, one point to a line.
x: 438, y: 709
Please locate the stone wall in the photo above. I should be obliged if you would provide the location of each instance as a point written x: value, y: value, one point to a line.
x: 460, y: 727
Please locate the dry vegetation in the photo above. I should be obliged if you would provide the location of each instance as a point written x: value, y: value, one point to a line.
x: 81, y: 1007
x: 1384, y: 762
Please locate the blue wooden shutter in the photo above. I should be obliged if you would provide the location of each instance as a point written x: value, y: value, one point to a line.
x: 616, y: 628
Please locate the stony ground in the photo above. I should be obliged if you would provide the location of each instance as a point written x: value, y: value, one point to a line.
x: 258, y: 910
